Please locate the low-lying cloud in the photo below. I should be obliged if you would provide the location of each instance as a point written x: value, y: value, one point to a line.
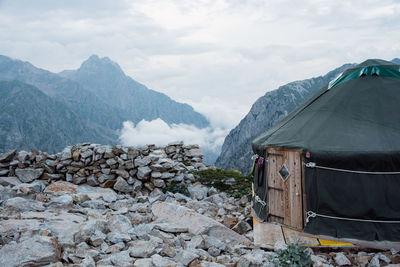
x: 160, y: 133
x: 221, y: 114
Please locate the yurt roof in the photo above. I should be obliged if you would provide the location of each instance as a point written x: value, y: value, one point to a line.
x: 358, y: 112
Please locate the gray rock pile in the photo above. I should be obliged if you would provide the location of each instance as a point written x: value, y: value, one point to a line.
x: 94, y: 205
x: 63, y: 224
x: 140, y: 171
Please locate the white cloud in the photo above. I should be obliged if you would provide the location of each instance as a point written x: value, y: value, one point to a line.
x: 160, y: 133
x: 219, y: 112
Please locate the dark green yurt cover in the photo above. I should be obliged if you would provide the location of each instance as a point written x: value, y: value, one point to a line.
x: 350, y: 135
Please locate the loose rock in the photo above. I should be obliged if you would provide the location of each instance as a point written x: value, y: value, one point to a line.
x: 28, y: 175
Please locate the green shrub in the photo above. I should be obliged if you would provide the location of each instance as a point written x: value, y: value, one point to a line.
x: 230, y: 181
x: 294, y: 255
x: 177, y: 187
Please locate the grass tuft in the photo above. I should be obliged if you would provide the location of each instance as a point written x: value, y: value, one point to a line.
x: 230, y: 181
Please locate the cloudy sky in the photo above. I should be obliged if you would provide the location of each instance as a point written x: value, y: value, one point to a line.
x: 217, y: 55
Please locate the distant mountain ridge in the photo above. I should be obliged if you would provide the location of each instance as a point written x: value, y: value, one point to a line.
x: 106, y: 80
x: 396, y: 61
x: 274, y: 105
x: 52, y: 126
x: 236, y: 150
x: 85, y: 104
x: 98, y: 96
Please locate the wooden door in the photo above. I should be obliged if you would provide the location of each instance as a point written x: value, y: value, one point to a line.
x: 284, y: 185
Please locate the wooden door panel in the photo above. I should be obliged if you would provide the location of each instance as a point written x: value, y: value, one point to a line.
x: 293, y: 193
x: 276, y: 208
x: 285, y: 197
x: 275, y: 186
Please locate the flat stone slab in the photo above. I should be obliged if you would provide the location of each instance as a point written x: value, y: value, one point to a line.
x: 267, y: 234
x: 169, y: 228
x: 195, y: 222
x: 15, y: 225
x: 29, y: 174
x: 12, y: 180
x: 63, y: 225
x: 107, y: 194
x: 7, y: 156
x: 294, y: 236
x: 61, y: 188
x: 22, y: 204
x: 35, y: 251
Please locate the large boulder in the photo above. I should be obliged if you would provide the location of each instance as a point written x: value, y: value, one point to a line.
x: 34, y: 251
x: 22, y: 204
x: 122, y: 186
x: 198, y: 191
x: 28, y: 175
x: 11, y: 229
x: 119, y: 223
x: 195, y: 222
x: 61, y: 188
x: 142, y: 248
x: 12, y: 181
x: 7, y: 156
x: 143, y: 172
x: 195, y: 153
x: 64, y: 226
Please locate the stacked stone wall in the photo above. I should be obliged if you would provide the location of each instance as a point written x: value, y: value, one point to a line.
x: 136, y: 170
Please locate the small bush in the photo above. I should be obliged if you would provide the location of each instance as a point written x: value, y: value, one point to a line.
x: 230, y: 181
x: 177, y: 187
x: 294, y: 255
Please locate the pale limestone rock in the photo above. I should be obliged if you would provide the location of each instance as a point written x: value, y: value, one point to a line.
x: 143, y: 172
x: 22, y: 204
x: 142, y: 248
x: 119, y: 223
x: 170, y: 228
x: 7, y: 156
x: 160, y: 261
x: 61, y: 188
x: 122, y: 186
x: 35, y: 251
x: 195, y: 222
x: 186, y: 256
x: 29, y: 174
x: 12, y: 181
x: 341, y: 259
x: 143, y: 263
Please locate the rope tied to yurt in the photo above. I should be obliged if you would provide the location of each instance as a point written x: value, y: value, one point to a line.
x: 312, y: 214
x: 314, y: 165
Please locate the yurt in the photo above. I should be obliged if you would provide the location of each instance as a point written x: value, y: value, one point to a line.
x: 332, y: 166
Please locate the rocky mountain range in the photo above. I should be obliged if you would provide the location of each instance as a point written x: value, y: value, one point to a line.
x: 236, y: 151
x: 106, y: 80
x: 31, y: 119
x: 48, y: 111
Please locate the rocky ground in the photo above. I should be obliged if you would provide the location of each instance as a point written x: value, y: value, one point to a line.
x: 55, y: 222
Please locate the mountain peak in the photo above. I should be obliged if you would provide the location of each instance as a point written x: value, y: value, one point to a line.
x: 96, y: 59
x: 396, y: 61
x: 93, y: 58
x: 104, y: 65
